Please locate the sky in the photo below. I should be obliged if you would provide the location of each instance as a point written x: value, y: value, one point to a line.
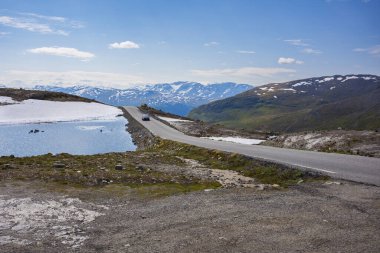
x: 135, y: 42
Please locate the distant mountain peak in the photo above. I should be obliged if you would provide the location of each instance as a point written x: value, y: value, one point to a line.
x: 177, y: 97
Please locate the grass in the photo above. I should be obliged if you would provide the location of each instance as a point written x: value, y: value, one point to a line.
x: 98, y: 172
x: 264, y: 172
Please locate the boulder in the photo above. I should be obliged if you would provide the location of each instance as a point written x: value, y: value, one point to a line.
x: 119, y: 167
x: 58, y: 165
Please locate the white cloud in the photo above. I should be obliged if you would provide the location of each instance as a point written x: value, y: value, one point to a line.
x: 20, y: 78
x: 297, y: 42
x: 63, y: 51
x: 283, y: 60
x: 126, y: 44
x: 30, y: 25
x: 211, y: 44
x: 241, y: 72
x: 51, y: 18
x: 245, y: 52
x: 3, y: 33
x: 375, y: 50
x: 311, y: 51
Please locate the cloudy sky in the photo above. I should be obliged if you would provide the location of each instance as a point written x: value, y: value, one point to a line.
x: 128, y: 43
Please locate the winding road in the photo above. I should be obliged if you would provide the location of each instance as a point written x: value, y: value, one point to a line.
x: 348, y: 167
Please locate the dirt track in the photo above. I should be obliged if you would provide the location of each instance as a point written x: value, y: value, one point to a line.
x: 315, y: 217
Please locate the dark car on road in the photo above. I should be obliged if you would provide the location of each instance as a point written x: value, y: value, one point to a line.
x: 145, y: 117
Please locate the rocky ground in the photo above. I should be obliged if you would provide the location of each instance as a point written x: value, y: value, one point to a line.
x: 315, y: 217
x: 366, y: 143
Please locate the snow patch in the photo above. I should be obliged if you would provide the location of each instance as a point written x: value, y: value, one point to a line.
x: 236, y: 140
x: 333, y: 87
x: 301, y: 83
x: 38, y: 111
x: 173, y: 119
x: 7, y: 100
x: 350, y: 78
x: 288, y: 89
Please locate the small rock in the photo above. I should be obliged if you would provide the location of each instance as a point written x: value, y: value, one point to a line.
x: 260, y: 187
x: 333, y: 182
x: 300, y: 181
x: 127, y: 245
x: 102, y: 168
x: 7, y: 166
x: 58, y: 165
x: 140, y: 168
x: 119, y: 167
x: 275, y: 185
x: 208, y: 190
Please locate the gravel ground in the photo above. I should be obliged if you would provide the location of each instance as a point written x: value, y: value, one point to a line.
x: 314, y: 217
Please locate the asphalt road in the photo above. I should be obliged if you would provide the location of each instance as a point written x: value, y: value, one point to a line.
x: 349, y: 167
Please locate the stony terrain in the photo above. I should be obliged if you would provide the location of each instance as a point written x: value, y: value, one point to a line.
x: 366, y: 143
x: 318, y: 217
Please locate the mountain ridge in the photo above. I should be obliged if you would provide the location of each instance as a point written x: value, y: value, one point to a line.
x: 177, y: 97
x: 317, y: 103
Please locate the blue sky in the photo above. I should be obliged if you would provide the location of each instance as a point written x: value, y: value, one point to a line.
x: 127, y: 43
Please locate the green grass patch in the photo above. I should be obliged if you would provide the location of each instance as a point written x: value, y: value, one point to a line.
x: 265, y: 172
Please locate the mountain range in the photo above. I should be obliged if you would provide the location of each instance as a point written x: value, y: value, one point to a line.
x: 178, y: 97
x: 320, y: 103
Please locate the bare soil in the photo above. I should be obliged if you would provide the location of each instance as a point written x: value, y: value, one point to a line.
x: 315, y: 217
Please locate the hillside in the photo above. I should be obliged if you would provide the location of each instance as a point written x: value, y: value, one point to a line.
x: 178, y: 98
x: 22, y: 94
x: 324, y: 103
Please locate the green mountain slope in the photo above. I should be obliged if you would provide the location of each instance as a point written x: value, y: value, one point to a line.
x: 324, y: 103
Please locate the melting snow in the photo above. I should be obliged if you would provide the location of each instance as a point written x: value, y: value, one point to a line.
x: 236, y: 140
x: 173, y: 119
x: 36, y: 111
x: 331, y: 88
x: 7, y: 100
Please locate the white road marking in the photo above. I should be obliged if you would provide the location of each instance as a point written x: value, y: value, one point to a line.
x: 312, y: 168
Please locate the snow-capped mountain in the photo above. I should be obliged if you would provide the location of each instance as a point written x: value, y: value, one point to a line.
x: 328, y: 102
x: 178, y: 97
